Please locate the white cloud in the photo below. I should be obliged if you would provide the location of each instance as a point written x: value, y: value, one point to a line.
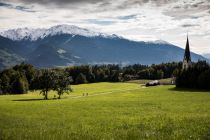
x: 138, y: 20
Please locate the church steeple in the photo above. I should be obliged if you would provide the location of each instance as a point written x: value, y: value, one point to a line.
x: 187, y: 58
x: 187, y: 51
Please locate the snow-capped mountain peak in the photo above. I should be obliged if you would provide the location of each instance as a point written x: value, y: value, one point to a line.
x: 40, y: 33
x: 71, y: 29
x: 24, y: 33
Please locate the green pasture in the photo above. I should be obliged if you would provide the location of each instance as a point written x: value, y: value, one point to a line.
x: 111, y: 111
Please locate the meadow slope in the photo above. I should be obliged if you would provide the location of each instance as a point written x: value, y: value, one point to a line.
x: 111, y: 111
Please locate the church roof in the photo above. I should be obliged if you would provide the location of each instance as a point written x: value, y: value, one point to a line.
x: 187, y: 51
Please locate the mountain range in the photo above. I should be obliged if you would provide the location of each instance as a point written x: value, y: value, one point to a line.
x: 65, y: 45
x: 206, y: 55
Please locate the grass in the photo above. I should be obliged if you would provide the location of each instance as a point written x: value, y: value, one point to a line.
x: 111, y: 111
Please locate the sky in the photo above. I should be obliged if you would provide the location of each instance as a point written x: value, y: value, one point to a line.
x: 141, y: 20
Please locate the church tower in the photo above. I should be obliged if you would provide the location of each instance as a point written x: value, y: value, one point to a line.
x: 187, y: 58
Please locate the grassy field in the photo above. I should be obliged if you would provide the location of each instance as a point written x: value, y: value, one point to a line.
x: 111, y: 111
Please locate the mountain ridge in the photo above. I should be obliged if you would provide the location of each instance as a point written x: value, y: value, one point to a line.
x: 34, y: 34
x: 206, y: 55
x: 65, y: 45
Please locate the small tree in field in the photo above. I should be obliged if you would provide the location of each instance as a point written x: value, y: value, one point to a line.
x: 62, y: 83
x: 47, y: 82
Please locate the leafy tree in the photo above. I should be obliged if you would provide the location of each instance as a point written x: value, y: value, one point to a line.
x: 20, y: 84
x: 35, y: 82
x: 47, y: 82
x: 62, y: 83
x: 8, y: 77
x: 27, y: 70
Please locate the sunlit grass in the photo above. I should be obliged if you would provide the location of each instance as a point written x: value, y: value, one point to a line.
x: 129, y: 112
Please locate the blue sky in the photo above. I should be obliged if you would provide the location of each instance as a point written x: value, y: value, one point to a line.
x: 146, y: 20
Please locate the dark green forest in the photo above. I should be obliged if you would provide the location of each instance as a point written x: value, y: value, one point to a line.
x: 21, y: 78
x: 197, y: 76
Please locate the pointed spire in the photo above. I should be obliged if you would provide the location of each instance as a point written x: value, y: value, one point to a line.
x: 187, y: 51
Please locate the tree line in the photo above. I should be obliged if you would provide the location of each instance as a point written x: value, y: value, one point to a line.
x: 24, y: 77
x: 197, y: 76
x: 21, y: 78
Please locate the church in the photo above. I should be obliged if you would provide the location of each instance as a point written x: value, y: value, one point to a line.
x: 187, y: 63
x: 187, y: 57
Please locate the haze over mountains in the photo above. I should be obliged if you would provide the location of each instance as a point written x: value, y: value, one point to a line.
x: 206, y: 55
x: 65, y: 45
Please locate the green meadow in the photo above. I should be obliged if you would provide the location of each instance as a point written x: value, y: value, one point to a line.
x: 111, y: 111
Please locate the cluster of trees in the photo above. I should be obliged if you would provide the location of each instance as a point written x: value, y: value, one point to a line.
x: 48, y: 79
x: 24, y: 77
x: 153, y: 72
x: 197, y: 76
x: 94, y: 73
x: 17, y: 79
x: 116, y: 73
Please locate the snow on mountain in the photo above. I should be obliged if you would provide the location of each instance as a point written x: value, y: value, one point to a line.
x: 23, y: 33
x: 158, y: 42
x: 61, y: 51
x: 35, y: 34
x: 72, y: 49
x: 40, y: 33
